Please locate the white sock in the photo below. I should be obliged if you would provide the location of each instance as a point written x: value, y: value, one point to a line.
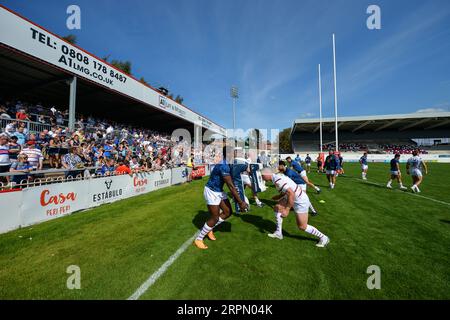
x: 204, y: 232
x: 312, y: 208
x: 279, y: 219
x: 218, y: 222
x: 389, y: 182
x: 312, y: 230
x: 401, y: 185
x: 257, y: 201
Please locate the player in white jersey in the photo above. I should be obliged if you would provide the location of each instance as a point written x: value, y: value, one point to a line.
x: 291, y: 196
x: 414, y: 168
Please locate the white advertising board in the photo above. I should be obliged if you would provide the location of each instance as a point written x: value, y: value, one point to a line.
x: 52, y: 201
x: 41, y: 203
x: 179, y: 175
x: 29, y: 38
x: 10, y: 203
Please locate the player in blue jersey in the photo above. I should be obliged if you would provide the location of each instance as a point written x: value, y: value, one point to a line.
x: 364, y: 166
x: 395, y: 172
x: 300, y: 178
x: 217, y: 200
x: 298, y: 159
x: 308, y: 161
x: 414, y: 167
x: 331, y: 165
x: 241, y: 179
x: 294, y: 165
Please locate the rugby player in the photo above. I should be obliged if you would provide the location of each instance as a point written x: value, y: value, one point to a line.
x: 395, y: 172
x: 241, y: 179
x: 291, y: 196
x: 414, y: 168
x: 331, y: 164
x: 217, y: 201
x: 364, y: 166
x: 341, y: 164
x: 308, y: 163
x: 301, y: 179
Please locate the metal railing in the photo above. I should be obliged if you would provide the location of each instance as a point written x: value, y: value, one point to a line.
x: 84, y: 174
x: 32, y: 127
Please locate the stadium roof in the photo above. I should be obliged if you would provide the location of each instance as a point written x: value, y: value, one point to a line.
x: 37, y: 64
x: 400, y: 122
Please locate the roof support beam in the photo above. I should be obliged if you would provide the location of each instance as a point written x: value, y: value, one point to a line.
x: 339, y: 125
x: 414, y: 124
x: 362, y: 125
x: 384, y: 126
x: 443, y: 123
x: 316, y: 129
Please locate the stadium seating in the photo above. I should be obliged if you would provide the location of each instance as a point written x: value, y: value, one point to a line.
x: 109, y: 146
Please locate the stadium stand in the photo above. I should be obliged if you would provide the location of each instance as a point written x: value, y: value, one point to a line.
x: 383, y: 134
x: 106, y: 145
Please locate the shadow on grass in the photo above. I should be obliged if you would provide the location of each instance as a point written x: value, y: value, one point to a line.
x: 445, y: 221
x: 269, y: 226
x: 202, y: 216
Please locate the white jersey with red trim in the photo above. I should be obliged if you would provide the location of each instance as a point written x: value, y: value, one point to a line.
x: 283, y: 183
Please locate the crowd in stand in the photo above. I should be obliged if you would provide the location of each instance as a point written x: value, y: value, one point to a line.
x: 110, y: 147
x: 387, y: 148
x: 400, y: 149
x: 346, y: 147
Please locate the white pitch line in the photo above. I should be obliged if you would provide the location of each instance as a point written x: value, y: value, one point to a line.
x: 155, y: 276
x: 411, y: 194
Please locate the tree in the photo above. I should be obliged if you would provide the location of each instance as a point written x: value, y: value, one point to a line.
x: 125, y: 66
x: 179, y: 99
x: 71, y: 38
x: 143, y: 81
x: 285, y: 141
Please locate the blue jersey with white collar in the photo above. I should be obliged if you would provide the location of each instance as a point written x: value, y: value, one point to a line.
x: 294, y: 176
x: 363, y: 160
x: 216, y: 181
x: 331, y: 162
x: 297, y: 166
x: 394, y: 163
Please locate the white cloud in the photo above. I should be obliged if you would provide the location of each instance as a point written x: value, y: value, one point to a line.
x: 431, y: 110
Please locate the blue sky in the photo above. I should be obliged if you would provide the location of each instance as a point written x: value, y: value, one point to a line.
x: 270, y: 49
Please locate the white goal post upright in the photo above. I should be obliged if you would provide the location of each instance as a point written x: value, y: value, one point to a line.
x: 335, y: 94
x: 320, y: 110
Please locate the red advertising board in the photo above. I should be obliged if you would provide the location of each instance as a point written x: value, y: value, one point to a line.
x: 198, y: 172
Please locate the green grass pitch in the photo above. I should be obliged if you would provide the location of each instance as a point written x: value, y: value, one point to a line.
x: 118, y: 246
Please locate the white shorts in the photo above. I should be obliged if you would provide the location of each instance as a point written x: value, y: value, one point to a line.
x: 415, y: 172
x: 301, y: 204
x: 364, y: 167
x: 394, y: 173
x: 308, y: 164
x: 213, y: 198
x: 332, y: 172
x: 246, y: 179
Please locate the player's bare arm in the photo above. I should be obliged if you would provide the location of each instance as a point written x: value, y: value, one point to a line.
x: 234, y: 193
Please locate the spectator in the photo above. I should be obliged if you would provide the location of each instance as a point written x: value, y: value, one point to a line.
x: 11, y: 128
x: 5, y: 162
x: 20, y: 134
x: 22, y: 166
x: 14, y: 149
x: 34, y: 155
x: 22, y: 115
x: 4, y: 113
x: 123, y: 168
x: 108, y: 168
x: 72, y: 161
